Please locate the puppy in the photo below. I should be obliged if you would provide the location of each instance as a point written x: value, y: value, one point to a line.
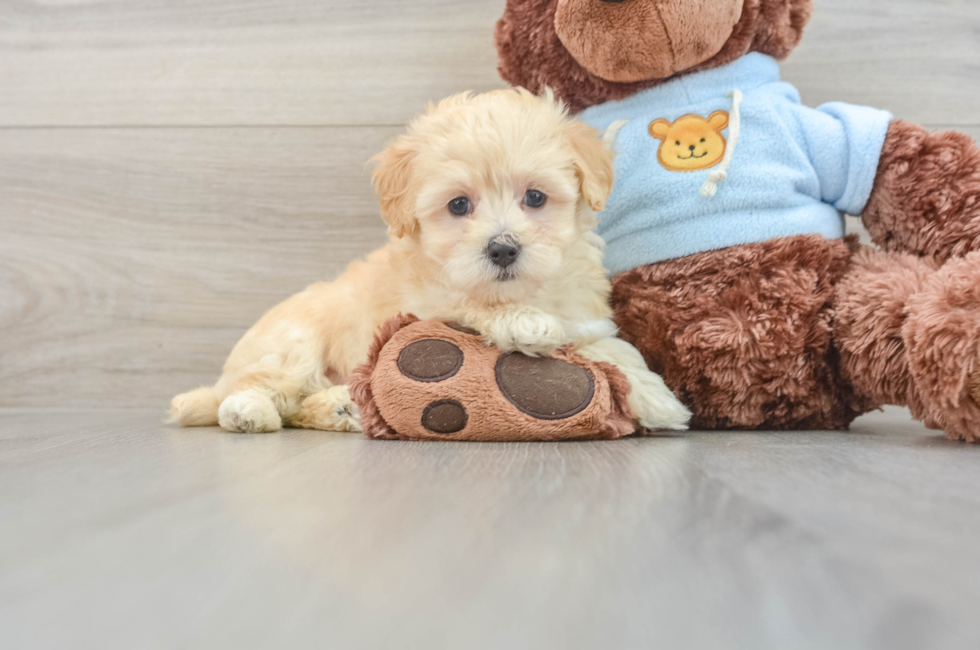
x: 490, y: 202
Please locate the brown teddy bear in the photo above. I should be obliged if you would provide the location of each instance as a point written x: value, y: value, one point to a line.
x: 725, y: 228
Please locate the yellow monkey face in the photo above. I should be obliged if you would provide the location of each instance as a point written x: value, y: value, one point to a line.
x: 691, y: 142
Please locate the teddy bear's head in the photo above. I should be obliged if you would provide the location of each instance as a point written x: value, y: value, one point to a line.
x: 591, y: 51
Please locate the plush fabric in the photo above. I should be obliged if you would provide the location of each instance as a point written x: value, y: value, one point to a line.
x: 533, y: 56
x: 660, y: 38
x: 869, y: 312
x: 807, y: 333
x: 909, y: 334
x: 942, y: 337
x: 743, y: 335
x: 926, y: 198
x: 793, y: 171
x: 429, y: 380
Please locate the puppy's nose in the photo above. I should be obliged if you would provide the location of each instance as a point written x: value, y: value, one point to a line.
x: 503, y: 255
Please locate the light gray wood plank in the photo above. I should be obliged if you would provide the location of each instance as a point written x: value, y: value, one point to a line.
x: 117, y: 532
x: 268, y: 62
x: 919, y: 59
x: 131, y: 260
x: 276, y: 62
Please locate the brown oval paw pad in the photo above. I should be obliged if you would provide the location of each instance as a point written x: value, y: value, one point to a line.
x: 543, y: 387
x: 444, y: 416
x: 430, y: 360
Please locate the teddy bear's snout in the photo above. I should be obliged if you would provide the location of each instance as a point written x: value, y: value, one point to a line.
x: 629, y: 40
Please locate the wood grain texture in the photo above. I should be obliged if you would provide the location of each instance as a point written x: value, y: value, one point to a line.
x: 919, y: 59
x: 235, y: 62
x: 116, y: 532
x: 132, y: 259
x: 287, y: 62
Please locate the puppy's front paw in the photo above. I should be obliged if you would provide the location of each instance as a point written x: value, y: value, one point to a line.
x: 655, y: 405
x: 331, y: 409
x: 530, y: 331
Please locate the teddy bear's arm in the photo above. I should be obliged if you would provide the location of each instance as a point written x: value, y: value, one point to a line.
x: 926, y: 195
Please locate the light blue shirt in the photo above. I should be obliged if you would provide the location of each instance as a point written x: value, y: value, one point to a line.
x: 794, y: 170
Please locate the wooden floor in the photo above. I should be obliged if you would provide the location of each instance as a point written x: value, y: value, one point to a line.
x: 169, y: 170
x: 119, y: 532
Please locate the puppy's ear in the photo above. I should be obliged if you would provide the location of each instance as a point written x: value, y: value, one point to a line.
x: 593, y: 163
x: 392, y: 179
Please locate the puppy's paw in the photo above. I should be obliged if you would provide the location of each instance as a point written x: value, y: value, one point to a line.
x: 528, y: 330
x: 654, y: 405
x: 329, y: 410
x: 249, y: 412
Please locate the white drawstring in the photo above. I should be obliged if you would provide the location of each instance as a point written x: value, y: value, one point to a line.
x: 612, y: 132
x: 710, y: 188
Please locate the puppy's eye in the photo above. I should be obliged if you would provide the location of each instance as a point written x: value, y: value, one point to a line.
x: 535, y: 199
x: 460, y: 206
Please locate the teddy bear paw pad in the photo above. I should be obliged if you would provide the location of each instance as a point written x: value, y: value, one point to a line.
x: 444, y: 416
x: 430, y: 360
x: 543, y: 387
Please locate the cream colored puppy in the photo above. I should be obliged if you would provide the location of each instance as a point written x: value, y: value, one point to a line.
x: 490, y: 202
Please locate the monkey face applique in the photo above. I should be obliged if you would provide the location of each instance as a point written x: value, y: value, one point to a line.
x: 691, y: 142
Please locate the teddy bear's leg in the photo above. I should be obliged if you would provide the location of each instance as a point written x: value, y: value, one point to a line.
x: 926, y: 197
x: 743, y: 335
x: 942, y: 334
x: 908, y: 333
x: 869, y: 313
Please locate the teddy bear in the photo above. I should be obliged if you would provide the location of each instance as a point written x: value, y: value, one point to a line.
x: 725, y: 236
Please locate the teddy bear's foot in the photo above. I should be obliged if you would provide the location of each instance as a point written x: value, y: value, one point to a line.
x: 942, y: 339
x: 439, y: 381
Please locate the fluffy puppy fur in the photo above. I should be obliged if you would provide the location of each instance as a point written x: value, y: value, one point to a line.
x: 491, y: 150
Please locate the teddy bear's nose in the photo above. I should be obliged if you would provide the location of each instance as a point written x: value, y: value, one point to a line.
x: 692, y: 147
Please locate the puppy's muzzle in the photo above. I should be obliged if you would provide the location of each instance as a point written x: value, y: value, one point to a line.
x: 503, y: 253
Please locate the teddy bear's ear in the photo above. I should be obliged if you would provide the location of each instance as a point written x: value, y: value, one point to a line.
x: 593, y: 163
x: 718, y: 120
x: 392, y: 178
x: 659, y: 129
